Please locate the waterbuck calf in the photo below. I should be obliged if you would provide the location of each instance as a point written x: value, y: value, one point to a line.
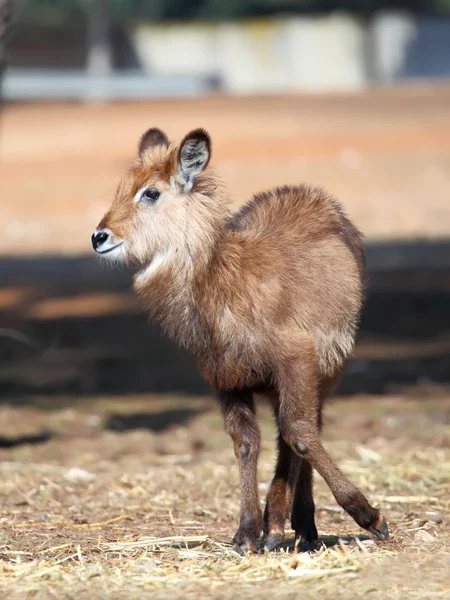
x: 266, y: 299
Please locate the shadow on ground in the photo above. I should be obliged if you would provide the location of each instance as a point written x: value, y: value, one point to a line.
x: 155, y: 422
x: 329, y: 541
x: 22, y: 440
x: 70, y: 327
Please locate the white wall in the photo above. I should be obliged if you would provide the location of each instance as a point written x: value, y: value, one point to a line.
x: 327, y: 53
x: 259, y: 55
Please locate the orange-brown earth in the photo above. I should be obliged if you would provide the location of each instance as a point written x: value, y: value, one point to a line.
x: 385, y: 154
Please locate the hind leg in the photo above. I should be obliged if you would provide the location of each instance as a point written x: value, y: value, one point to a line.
x: 303, y: 508
x: 280, y: 494
x: 300, y: 420
x: 282, y: 487
x: 299, y: 402
x: 291, y: 491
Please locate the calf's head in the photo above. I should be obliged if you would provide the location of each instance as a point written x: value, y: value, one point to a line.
x: 165, y: 202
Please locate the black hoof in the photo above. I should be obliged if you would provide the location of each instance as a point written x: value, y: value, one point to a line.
x: 273, y: 541
x: 304, y: 545
x: 244, y: 542
x: 380, y: 529
x: 244, y: 549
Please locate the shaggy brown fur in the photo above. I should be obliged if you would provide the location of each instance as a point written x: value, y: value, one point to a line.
x: 266, y: 299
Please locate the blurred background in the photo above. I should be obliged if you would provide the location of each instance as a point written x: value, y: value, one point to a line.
x: 352, y: 95
x: 107, y: 432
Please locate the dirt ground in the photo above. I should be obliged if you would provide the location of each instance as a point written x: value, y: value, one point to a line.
x: 110, y: 488
x: 134, y: 498
x: 385, y: 154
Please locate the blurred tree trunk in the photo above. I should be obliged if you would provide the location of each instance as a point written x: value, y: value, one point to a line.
x: 6, y: 9
x: 366, y: 20
x: 99, y: 59
x: 99, y: 37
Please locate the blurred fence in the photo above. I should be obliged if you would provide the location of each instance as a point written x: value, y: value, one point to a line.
x: 101, y: 57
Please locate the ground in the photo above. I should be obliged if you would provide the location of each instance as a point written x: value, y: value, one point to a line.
x: 111, y: 486
x: 145, y: 507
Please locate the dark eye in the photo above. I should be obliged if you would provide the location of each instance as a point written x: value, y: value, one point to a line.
x: 150, y: 194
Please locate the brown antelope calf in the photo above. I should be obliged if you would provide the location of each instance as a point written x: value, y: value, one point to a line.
x: 266, y: 299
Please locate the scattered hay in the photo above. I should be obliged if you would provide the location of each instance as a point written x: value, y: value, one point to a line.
x: 172, y: 562
x: 144, y: 525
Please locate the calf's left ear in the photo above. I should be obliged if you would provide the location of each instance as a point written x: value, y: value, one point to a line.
x: 193, y: 157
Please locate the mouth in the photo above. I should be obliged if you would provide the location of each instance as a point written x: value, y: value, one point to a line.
x: 111, y: 249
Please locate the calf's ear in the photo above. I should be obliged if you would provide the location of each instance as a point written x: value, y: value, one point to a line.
x: 152, y: 137
x: 193, y: 156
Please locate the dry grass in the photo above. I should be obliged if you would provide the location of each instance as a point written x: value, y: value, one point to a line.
x: 98, y: 514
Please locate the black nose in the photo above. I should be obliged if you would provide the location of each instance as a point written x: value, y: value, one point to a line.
x: 98, y: 238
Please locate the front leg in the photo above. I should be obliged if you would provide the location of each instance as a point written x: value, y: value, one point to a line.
x: 240, y: 423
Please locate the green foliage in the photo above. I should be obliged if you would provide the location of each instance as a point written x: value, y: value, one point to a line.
x: 235, y: 9
x: 48, y: 12
x: 166, y: 10
x: 63, y: 12
x: 442, y: 5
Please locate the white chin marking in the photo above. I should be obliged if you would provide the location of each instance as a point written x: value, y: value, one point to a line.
x: 112, y: 251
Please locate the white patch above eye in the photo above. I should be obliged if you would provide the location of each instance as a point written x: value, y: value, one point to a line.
x: 139, y: 193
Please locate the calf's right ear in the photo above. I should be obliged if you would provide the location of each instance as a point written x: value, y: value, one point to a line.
x: 152, y: 137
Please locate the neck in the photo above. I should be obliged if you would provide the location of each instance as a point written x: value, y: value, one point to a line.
x: 203, y: 228
x: 173, y: 286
